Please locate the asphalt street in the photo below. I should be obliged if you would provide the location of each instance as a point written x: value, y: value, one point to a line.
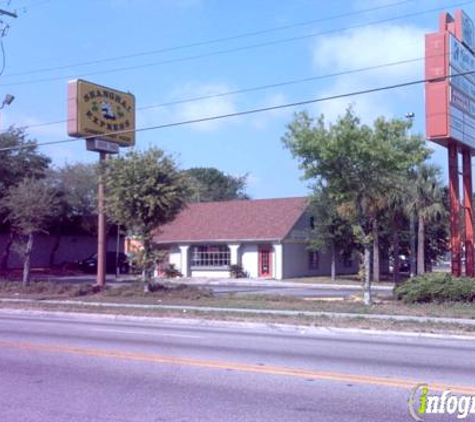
x: 253, y: 287
x: 77, y: 368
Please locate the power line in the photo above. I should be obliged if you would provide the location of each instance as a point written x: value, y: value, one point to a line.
x: 230, y: 50
x: 207, y: 42
x: 248, y: 112
x: 250, y: 89
x: 23, y: 9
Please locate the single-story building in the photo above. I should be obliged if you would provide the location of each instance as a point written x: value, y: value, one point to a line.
x: 267, y: 237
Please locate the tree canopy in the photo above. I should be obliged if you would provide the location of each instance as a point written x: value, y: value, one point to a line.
x: 357, y: 165
x: 208, y: 184
x: 144, y: 190
x: 29, y: 207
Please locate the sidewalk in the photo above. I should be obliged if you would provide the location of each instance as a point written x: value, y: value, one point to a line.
x: 249, y: 282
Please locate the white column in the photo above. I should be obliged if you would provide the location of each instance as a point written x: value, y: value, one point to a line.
x: 185, y: 260
x: 278, y: 261
x: 234, y: 250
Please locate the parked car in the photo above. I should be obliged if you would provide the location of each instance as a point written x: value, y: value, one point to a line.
x: 404, y: 264
x: 89, y: 265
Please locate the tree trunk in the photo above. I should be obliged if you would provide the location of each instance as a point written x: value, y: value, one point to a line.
x: 146, y: 273
x: 333, y: 261
x: 412, y: 234
x: 52, y: 255
x: 27, y: 261
x: 6, y: 252
x: 420, y: 246
x: 376, y: 266
x: 367, y: 279
x: 396, y: 275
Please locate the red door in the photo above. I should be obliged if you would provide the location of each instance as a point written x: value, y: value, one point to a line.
x: 265, y: 261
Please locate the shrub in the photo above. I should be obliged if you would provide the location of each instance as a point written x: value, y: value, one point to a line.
x: 171, y: 272
x: 436, y: 287
x: 237, y: 271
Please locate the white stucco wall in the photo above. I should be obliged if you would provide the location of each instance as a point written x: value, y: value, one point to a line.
x: 250, y: 259
x: 277, y: 259
x: 174, y: 257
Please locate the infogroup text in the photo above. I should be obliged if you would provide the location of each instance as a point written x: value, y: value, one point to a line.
x: 422, y: 403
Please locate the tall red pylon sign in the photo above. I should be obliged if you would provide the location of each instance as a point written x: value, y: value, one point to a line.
x: 450, y: 121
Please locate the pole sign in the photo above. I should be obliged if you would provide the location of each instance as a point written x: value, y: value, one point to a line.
x: 450, y: 89
x: 450, y: 121
x: 95, y: 111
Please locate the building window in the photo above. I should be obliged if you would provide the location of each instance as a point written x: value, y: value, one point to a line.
x: 312, y: 223
x: 313, y: 260
x: 210, y: 256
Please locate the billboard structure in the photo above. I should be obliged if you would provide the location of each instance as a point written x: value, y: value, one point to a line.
x: 106, y: 118
x: 95, y: 111
x: 450, y: 120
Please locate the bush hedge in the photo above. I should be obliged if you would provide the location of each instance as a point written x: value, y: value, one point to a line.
x: 436, y: 287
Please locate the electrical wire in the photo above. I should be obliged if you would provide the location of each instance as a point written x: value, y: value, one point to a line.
x: 228, y: 51
x: 208, y: 42
x: 251, y: 89
x: 247, y: 112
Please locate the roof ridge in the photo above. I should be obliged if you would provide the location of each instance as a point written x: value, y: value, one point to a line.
x: 249, y: 200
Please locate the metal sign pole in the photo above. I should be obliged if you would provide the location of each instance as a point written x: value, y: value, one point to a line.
x: 454, y: 209
x: 101, y: 226
x: 468, y: 211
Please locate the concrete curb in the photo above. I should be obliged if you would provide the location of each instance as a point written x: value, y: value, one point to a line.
x: 277, y: 312
x: 281, y: 328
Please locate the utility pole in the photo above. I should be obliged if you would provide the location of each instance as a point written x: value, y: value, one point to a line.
x: 101, y: 226
x: 412, y: 218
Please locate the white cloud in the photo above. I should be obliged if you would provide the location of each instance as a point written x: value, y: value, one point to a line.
x: 365, y: 48
x: 206, y: 107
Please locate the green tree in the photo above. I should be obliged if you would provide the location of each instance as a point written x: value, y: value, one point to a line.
x: 29, y: 206
x: 426, y: 202
x: 21, y: 161
x: 77, y: 187
x: 330, y: 231
x: 208, y: 184
x: 144, y: 190
x: 357, y: 164
x: 395, y: 219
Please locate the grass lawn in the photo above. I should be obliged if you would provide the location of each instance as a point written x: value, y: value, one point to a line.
x: 199, y: 296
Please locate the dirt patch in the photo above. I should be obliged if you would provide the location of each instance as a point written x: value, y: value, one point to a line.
x: 41, y: 290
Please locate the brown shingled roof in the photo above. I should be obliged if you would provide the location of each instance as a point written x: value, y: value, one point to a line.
x: 261, y: 219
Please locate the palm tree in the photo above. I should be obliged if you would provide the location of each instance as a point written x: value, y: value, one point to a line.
x: 426, y: 203
x: 396, y: 216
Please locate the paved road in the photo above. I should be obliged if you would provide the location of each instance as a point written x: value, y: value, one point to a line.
x: 259, y: 287
x: 79, y: 370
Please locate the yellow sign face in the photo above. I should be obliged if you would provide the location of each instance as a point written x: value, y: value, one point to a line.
x: 100, y: 112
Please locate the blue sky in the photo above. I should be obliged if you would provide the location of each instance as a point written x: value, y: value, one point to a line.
x: 124, y: 38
